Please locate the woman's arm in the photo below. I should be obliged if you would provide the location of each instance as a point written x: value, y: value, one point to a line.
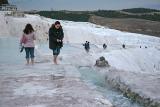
x: 23, y: 39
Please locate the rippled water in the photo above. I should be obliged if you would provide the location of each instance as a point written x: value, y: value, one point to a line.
x: 113, y: 95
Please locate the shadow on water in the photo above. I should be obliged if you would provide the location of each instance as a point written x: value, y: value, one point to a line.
x: 97, y: 80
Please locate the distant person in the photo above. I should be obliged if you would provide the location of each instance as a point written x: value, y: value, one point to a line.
x: 104, y: 46
x: 56, y: 36
x: 28, y: 42
x: 124, y: 46
x: 87, y: 46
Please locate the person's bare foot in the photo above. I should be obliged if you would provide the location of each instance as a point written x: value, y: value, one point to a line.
x: 27, y: 62
x: 32, y: 62
x: 55, y: 62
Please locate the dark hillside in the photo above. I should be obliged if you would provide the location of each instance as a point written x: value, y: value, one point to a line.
x: 3, y: 2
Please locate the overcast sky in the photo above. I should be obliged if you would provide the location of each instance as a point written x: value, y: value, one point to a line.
x: 84, y: 4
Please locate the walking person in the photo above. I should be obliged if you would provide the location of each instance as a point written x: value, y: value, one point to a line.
x: 27, y: 40
x: 104, y: 46
x: 87, y: 46
x: 56, y: 36
x: 123, y: 46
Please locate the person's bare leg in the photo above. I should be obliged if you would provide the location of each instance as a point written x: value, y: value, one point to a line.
x: 55, y: 59
x: 27, y: 61
x: 32, y: 61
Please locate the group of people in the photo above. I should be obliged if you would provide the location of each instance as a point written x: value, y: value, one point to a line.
x: 56, y: 36
x: 86, y: 46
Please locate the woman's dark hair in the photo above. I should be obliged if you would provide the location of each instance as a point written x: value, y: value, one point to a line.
x: 28, y: 29
x: 57, y: 22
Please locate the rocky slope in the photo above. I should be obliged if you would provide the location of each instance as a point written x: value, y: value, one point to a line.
x: 129, y: 25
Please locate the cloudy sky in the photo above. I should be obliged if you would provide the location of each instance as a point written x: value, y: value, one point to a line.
x: 84, y: 4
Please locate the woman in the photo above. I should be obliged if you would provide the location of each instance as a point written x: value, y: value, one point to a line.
x: 56, y: 36
x: 28, y: 42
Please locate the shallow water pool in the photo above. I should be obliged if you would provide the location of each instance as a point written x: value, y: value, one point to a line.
x: 97, y: 80
x: 10, y: 52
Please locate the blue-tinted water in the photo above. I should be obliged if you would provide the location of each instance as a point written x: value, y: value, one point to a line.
x: 9, y: 51
x: 66, y: 49
x: 92, y: 76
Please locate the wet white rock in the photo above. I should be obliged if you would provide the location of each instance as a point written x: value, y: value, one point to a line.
x: 141, y: 87
x: 46, y: 85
